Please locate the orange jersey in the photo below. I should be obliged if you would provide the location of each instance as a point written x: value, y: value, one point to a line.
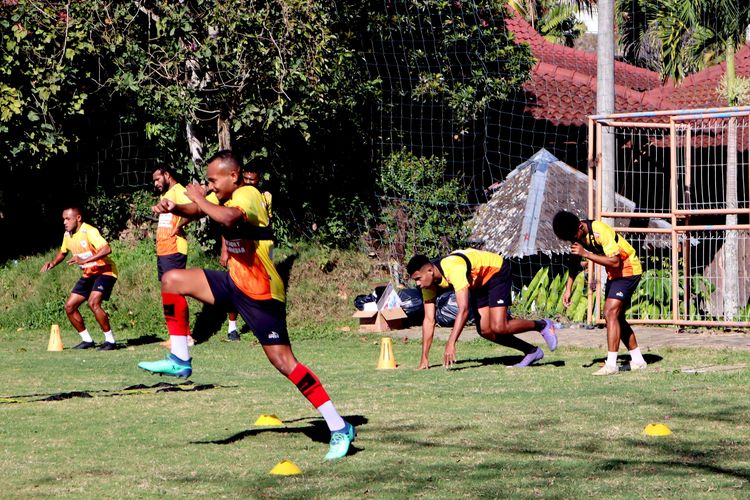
x: 84, y: 243
x: 170, y: 240
x: 484, y: 265
x: 613, y: 244
x: 249, y: 247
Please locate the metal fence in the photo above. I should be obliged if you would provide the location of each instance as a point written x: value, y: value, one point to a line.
x: 688, y: 174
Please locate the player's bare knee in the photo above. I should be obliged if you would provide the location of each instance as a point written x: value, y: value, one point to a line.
x: 170, y: 281
x: 611, y: 314
x: 501, y: 327
x: 70, y: 308
x: 95, y: 305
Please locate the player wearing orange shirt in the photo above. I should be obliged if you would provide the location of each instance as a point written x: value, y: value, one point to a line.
x: 482, y: 280
x: 598, y: 242
x: 252, y: 287
x: 90, y: 252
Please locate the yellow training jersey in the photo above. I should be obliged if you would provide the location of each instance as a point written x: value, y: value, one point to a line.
x: 613, y: 244
x: 84, y: 243
x: 168, y: 241
x: 484, y: 265
x: 250, y: 265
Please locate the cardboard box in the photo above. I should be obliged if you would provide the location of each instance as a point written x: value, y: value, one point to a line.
x: 386, y: 315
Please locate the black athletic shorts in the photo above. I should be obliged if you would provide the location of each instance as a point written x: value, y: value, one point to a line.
x: 266, y: 318
x: 166, y: 263
x: 103, y: 283
x: 496, y: 292
x: 622, y: 288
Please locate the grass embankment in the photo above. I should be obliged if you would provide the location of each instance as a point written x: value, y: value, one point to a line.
x: 481, y: 430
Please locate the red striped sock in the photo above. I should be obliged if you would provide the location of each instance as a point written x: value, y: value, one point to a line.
x: 176, y: 314
x: 309, y: 385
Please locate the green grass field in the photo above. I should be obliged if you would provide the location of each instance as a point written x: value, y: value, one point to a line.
x: 480, y: 430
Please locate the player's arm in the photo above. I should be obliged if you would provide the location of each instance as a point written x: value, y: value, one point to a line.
x: 604, y: 260
x: 462, y: 299
x: 52, y: 263
x: 224, y: 258
x: 428, y: 331
x: 103, y: 251
x: 574, y: 268
x: 226, y: 216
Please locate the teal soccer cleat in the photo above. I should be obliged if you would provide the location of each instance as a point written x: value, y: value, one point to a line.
x: 171, y: 365
x: 340, y: 441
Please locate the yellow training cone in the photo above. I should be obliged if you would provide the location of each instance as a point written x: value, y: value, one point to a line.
x: 656, y: 430
x: 55, y: 341
x: 386, y: 361
x: 269, y: 420
x: 286, y: 468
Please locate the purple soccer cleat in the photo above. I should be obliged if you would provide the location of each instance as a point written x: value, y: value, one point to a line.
x: 548, y: 333
x: 530, y: 358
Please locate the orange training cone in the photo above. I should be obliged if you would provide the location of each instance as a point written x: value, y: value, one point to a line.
x: 55, y: 341
x: 386, y: 361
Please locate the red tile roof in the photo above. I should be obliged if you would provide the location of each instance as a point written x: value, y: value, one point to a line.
x: 562, y: 88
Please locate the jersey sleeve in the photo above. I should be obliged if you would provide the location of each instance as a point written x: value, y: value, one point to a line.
x: 65, y: 243
x: 211, y: 198
x: 454, y: 270
x: 179, y: 196
x: 606, y: 237
x: 95, y: 238
x: 250, y: 201
x: 428, y: 295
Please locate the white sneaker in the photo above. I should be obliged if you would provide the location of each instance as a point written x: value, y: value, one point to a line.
x: 638, y: 366
x: 607, y: 370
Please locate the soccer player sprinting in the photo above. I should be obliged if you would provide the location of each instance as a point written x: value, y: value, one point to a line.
x: 91, y: 252
x: 598, y: 242
x: 251, y: 286
x: 482, y: 280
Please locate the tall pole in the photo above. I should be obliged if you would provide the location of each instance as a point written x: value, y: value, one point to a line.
x: 605, y: 104
x: 605, y: 100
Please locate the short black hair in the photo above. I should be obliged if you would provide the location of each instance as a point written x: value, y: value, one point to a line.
x: 227, y: 156
x: 565, y: 225
x: 165, y: 170
x: 416, y: 263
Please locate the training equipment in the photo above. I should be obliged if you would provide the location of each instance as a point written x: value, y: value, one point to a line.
x: 340, y: 442
x: 171, y: 366
x: 656, y: 430
x: 386, y: 361
x: 286, y: 468
x: 268, y: 420
x: 55, y: 341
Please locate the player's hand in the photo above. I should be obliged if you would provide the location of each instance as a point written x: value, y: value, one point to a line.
x: 75, y: 261
x: 223, y: 259
x: 566, y: 297
x: 577, y: 249
x: 45, y: 267
x: 163, y: 207
x: 194, y: 191
x: 449, y: 356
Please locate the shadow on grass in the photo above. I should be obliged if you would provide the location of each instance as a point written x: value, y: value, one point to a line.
x: 499, y: 360
x: 284, y: 268
x: 316, y: 430
x: 149, y: 338
x: 649, y: 358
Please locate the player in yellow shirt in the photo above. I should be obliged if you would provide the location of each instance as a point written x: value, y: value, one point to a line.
x: 482, y: 281
x: 598, y: 242
x: 171, y: 243
x: 250, y: 177
x: 251, y: 286
x: 91, y: 252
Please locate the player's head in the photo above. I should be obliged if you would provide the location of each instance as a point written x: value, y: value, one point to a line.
x: 163, y: 178
x: 251, y: 176
x: 566, y: 225
x: 72, y: 219
x: 224, y: 174
x: 421, y: 270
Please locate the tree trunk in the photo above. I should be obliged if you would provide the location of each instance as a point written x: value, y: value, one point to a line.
x: 223, y: 133
x: 195, y: 146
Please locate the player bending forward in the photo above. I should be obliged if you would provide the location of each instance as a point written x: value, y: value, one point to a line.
x: 251, y: 286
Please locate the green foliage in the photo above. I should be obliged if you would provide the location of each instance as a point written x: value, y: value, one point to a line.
x: 492, y: 69
x: 542, y: 298
x: 110, y: 213
x: 46, y: 57
x: 424, y: 211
